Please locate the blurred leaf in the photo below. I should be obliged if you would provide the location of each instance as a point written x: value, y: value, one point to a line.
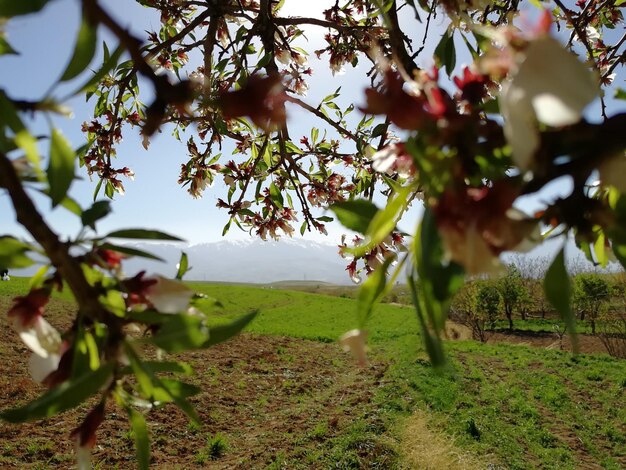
x: 557, y: 286
x: 620, y: 93
x: 86, y: 356
x: 5, y: 47
x: 83, y: 51
x: 178, y: 389
x: 219, y: 334
x: 372, y: 291
x: 144, y: 377
x: 9, y: 8
x: 142, y: 441
x: 63, y: 397
x: 23, y: 139
x: 37, y: 279
x: 180, y: 333
x: 160, y: 366
x: 379, y: 130
x: 142, y: 234
x: 151, y: 386
x: 183, y: 266
x: 60, y: 167
x: 356, y: 214
x: 445, y: 278
x: 97, y: 211
x: 71, y: 205
x: 130, y: 251
x: 432, y: 341
x: 13, y: 253
x: 384, y: 221
x: 620, y: 253
x: 599, y: 250
x: 114, y: 302
x: 108, y: 64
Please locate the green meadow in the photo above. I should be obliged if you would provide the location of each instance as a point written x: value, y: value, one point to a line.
x: 495, y: 405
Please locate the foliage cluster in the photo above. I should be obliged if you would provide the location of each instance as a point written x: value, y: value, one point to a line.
x: 504, y: 127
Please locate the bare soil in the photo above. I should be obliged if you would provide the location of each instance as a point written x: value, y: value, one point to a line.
x: 271, y: 399
x: 588, y: 344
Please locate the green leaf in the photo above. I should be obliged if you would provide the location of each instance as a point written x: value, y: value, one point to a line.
x: 61, y: 167
x: 142, y: 234
x: 142, y: 441
x: 144, y: 376
x: 71, y: 205
x: 23, y: 139
x: 83, y: 51
x: 620, y: 93
x: 180, y: 333
x: 5, y: 47
x: 444, y: 278
x: 10, y: 8
x: 445, y: 52
x: 384, y: 221
x: 219, y: 334
x: 432, y: 341
x: 13, y: 253
x: 152, y: 387
x: 178, y: 389
x: 63, y: 397
x: 379, y: 130
x: 372, y: 291
x: 356, y: 214
x: 276, y: 195
x: 183, y: 266
x: 165, y: 366
x: 97, y: 211
x: 619, y: 250
x: 558, y: 289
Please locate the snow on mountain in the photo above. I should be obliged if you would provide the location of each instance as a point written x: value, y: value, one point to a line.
x: 248, y: 260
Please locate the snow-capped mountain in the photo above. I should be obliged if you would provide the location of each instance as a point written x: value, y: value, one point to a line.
x: 248, y: 260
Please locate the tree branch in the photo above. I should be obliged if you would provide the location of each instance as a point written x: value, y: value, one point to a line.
x: 58, y: 252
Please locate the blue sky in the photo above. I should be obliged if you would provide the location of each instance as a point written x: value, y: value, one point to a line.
x: 154, y: 199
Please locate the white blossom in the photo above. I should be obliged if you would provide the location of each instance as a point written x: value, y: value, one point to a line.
x: 169, y: 296
x: 354, y: 341
x: 550, y: 85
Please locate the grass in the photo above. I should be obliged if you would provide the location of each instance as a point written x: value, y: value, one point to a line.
x: 494, y: 404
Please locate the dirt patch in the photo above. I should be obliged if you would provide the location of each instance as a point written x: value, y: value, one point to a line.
x: 264, y: 400
x: 429, y: 449
x: 588, y: 344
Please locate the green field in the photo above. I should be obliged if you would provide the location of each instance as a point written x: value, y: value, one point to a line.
x: 503, y: 405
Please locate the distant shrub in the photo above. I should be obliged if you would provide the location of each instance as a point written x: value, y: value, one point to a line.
x: 591, y: 296
x: 513, y: 292
x: 464, y: 310
x: 488, y: 302
x: 612, y: 333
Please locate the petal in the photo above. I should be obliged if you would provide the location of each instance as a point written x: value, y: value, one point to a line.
x: 383, y: 160
x: 169, y: 296
x: 83, y: 457
x: 41, y: 338
x: 520, y: 124
x: 558, y: 85
x: 40, y: 367
x: 354, y: 341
